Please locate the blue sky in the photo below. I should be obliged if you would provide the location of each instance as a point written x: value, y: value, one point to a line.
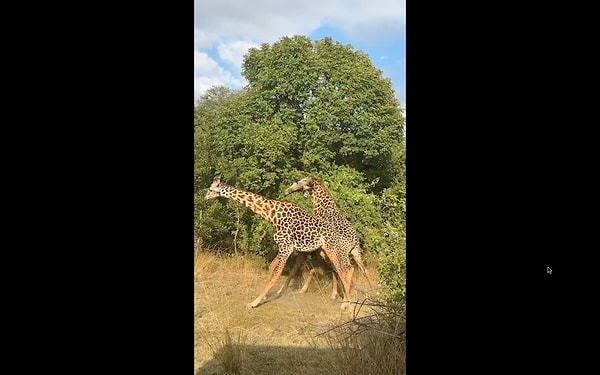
x: 224, y: 30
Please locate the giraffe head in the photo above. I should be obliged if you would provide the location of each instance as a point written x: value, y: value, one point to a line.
x: 304, y: 185
x: 214, y: 190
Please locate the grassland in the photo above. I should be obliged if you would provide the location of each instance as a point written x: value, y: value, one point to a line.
x: 283, y: 335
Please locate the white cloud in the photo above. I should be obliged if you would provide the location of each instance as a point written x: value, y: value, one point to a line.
x: 233, y: 26
x: 233, y: 52
x: 401, y: 96
x: 204, y: 39
x: 265, y: 21
x: 208, y: 73
x: 262, y: 21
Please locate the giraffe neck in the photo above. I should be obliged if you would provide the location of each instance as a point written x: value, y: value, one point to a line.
x: 257, y: 203
x: 322, y: 200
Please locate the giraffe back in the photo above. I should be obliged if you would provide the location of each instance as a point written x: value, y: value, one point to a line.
x: 325, y: 207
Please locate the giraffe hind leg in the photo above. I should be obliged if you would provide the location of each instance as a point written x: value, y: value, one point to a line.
x: 334, y: 292
x: 321, y: 270
x: 359, y: 261
x: 334, y: 287
x: 343, y: 274
x: 308, y: 280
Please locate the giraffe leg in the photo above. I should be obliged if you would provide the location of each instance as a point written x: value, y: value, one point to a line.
x: 308, y: 280
x: 346, y: 279
x: 349, y: 273
x: 358, y: 259
x: 275, y: 269
x: 334, y: 291
x: 342, y: 272
x: 300, y: 259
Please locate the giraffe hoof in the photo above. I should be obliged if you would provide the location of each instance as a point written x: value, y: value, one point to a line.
x: 250, y: 306
x: 333, y: 296
x: 344, y: 305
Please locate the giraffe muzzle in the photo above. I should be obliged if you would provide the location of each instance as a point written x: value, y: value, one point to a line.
x: 295, y: 187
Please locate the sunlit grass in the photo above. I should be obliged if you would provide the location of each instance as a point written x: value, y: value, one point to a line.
x: 291, y: 334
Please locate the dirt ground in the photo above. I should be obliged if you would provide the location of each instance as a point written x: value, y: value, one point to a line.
x: 277, y: 337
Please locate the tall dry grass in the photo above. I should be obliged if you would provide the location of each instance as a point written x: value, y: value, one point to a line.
x: 374, y: 344
x: 294, y: 334
x: 369, y: 344
x: 229, y: 351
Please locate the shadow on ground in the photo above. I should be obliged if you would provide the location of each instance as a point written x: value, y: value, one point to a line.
x: 263, y: 359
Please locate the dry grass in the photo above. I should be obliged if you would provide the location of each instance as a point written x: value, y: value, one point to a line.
x: 281, y: 336
x: 373, y: 343
x: 228, y: 352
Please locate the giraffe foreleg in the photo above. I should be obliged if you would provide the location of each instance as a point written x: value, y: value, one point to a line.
x: 275, y: 268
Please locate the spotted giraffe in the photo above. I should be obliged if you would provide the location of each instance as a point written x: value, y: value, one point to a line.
x: 294, y: 230
x: 325, y: 207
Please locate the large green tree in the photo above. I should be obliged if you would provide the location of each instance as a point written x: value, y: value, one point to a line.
x: 336, y: 105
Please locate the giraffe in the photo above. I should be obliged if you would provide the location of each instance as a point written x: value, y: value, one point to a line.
x: 293, y: 230
x: 325, y: 207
